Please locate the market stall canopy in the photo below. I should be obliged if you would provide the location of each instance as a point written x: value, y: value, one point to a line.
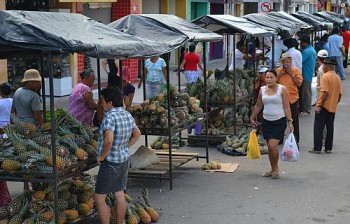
x: 70, y: 32
x: 317, y: 22
x: 227, y: 24
x: 152, y: 29
x: 284, y: 28
x: 330, y: 17
x: 177, y: 24
x: 286, y: 16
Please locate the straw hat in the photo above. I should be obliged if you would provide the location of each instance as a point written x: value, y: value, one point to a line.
x: 31, y: 75
x: 330, y: 61
x: 285, y: 56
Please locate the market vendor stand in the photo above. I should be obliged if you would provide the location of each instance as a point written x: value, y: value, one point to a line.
x: 51, y: 33
x: 230, y: 25
x: 175, y: 31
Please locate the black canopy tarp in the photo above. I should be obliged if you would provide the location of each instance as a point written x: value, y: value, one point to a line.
x: 176, y: 24
x: 227, y: 24
x: 284, y: 28
x: 286, y: 16
x: 330, y: 17
x: 68, y: 32
x: 316, y: 23
x: 147, y: 27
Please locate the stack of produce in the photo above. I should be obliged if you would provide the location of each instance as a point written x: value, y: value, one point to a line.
x: 237, y: 145
x: 138, y: 210
x: 222, y: 120
x: 152, y: 113
x: 75, y: 199
x: 162, y: 142
x: 221, y: 91
x: 29, y: 149
x: 213, y: 165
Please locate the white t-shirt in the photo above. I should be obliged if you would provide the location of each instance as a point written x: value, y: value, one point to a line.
x: 5, y: 109
x: 297, y: 60
x: 279, y: 47
x: 239, y: 60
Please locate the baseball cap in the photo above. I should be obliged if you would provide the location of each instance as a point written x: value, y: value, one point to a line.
x: 263, y: 69
x: 322, y: 53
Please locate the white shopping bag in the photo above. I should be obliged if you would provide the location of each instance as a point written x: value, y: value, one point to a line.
x: 290, y: 150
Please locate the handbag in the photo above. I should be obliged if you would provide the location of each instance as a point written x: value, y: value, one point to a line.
x: 290, y: 150
x: 253, y: 150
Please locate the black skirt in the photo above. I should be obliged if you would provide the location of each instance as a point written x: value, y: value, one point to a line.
x: 274, y: 129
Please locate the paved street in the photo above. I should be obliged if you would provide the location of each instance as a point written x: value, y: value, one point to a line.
x: 315, y: 189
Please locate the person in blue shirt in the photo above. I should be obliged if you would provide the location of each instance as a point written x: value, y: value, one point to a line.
x: 117, y: 133
x: 308, y: 71
x: 335, y: 44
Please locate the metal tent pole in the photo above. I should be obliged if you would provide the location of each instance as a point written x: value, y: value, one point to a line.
x: 205, y: 102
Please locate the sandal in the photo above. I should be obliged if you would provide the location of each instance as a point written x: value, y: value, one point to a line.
x: 275, y: 175
x: 267, y: 174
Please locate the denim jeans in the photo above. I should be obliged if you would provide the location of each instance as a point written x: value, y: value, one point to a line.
x: 339, y: 68
x: 153, y: 89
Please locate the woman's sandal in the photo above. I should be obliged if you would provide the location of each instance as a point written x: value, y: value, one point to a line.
x: 275, y: 175
x: 267, y: 174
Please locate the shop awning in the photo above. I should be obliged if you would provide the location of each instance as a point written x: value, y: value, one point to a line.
x: 152, y: 29
x: 227, y: 24
x: 330, y: 17
x: 68, y: 32
x: 284, y: 28
x: 177, y: 24
x: 325, y: 23
x: 318, y: 25
x: 286, y: 16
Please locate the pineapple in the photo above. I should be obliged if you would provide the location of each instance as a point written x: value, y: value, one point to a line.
x: 30, y: 127
x: 84, y: 196
x: 3, y: 212
x: 113, y: 219
x: 93, y: 142
x: 46, y: 126
x: 83, y: 209
x: 79, y: 152
x: 4, y: 221
x: 64, y: 195
x: 17, y: 217
x: 128, y: 199
x: 10, y: 165
x: 35, y: 206
x: 40, y: 194
x: 90, y: 150
x: 43, y: 140
x: 59, y: 162
x: 45, y: 169
x: 91, y: 203
x: 144, y: 216
x: 145, y: 202
x: 73, y: 201
x: 47, y: 216
x: 62, y: 218
x: 132, y: 219
x: 19, y: 147
x: 62, y: 204
x: 71, y: 214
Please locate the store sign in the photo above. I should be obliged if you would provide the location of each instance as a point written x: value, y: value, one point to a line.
x: 264, y: 6
x: 89, y: 1
x: 319, y: 5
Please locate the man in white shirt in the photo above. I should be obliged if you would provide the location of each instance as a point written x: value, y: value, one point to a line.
x: 297, y: 60
x: 278, y: 48
x: 239, y: 56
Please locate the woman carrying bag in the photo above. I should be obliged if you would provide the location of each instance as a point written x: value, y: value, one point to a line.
x: 276, y: 114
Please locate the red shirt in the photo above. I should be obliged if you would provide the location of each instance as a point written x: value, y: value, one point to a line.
x: 346, y: 39
x: 192, y: 60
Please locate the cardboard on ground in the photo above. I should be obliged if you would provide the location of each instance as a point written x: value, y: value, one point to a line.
x: 226, y: 168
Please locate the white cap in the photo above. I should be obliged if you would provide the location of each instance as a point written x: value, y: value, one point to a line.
x: 322, y: 54
x: 263, y: 69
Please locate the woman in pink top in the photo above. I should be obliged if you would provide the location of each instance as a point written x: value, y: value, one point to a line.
x: 190, y: 63
x: 81, y: 103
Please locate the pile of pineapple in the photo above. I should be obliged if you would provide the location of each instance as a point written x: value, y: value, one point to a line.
x: 29, y: 149
x: 222, y: 91
x: 37, y: 206
x: 138, y: 210
x: 153, y: 113
x: 162, y: 142
x: 239, y: 142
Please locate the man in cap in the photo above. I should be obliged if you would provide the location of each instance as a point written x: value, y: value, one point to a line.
x: 27, y: 104
x: 260, y: 80
x: 326, y: 106
x: 335, y: 44
x: 291, y: 78
x: 321, y: 55
x: 308, y: 71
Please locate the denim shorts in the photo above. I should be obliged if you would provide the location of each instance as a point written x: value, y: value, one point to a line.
x: 112, y: 177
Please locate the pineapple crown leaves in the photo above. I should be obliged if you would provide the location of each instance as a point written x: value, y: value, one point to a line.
x: 32, y: 160
x: 145, y: 196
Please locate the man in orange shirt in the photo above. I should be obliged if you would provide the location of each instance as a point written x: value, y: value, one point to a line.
x: 291, y: 78
x: 326, y: 106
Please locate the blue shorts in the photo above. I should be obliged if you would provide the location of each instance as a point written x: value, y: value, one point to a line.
x: 112, y: 177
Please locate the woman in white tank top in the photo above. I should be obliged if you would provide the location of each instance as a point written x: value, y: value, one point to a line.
x: 274, y: 98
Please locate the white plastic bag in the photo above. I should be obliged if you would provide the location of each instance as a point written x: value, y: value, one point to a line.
x: 290, y: 150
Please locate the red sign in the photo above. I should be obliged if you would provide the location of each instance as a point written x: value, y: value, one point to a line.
x: 266, y: 7
x: 319, y: 5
